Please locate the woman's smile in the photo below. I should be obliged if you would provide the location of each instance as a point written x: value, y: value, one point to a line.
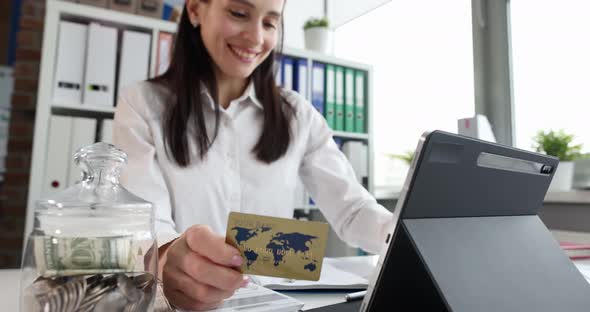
x: 243, y: 54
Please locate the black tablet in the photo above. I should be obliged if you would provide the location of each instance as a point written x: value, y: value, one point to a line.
x: 468, y: 238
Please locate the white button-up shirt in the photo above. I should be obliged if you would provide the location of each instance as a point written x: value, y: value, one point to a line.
x: 231, y: 178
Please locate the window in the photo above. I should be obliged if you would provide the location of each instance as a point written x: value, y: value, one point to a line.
x: 422, y: 56
x: 551, y: 68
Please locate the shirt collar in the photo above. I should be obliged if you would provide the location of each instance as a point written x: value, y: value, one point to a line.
x: 248, y: 96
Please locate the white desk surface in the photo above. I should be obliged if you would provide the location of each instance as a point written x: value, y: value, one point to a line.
x: 580, y: 197
x: 10, y: 285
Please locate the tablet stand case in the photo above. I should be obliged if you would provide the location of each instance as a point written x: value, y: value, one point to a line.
x: 469, y: 238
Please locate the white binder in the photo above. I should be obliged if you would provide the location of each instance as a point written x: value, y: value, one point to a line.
x: 302, y: 77
x: 301, y: 199
x: 356, y: 152
x: 71, y: 55
x: 58, y: 149
x: 101, y: 59
x: 106, y: 134
x: 6, y: 86
x: 477, y: 127
x: 135, y: 58
x: 83, y: 134
x: 287, y: 73
x: 278, y: 71
x: 164, y: 53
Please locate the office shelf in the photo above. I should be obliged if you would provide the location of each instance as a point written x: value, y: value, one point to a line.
x: 57, y: 10
x: 86, y: 13
x: 82, y: 110
x: 352, y: 135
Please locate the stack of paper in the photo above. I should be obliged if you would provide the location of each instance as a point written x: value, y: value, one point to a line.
x: 337, y: 273
x: 584, y: 268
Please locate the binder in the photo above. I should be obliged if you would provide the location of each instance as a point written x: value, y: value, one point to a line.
x: 150, y: 8
x: 300, y: 199
x: 58, y: 148
x: 300, y: 77
x: 164, y: 52
x: 83, y: 134
x: 287, y: 72
x: 101, y: 61
x: 70, y: 63
x: 127, y: 6
x: 310, y: 202
x: 478, y: 127
x: 360, y: 102
x: 356, y: 152
x: 278, y: 72
x: 339, y: 103
x: 135, y: 58
x: 97, y: 3
x: 339, y: 142
x: 4, y: 125
x: 349, y: 100
x: 317, y: 86
x: 106, y: 131
x: 330, y: 92
x: 6, y: 86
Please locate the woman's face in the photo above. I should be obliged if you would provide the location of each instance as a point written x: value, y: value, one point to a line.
x: 238, y: 34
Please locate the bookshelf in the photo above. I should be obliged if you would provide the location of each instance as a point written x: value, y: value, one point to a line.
x: 58, y: 10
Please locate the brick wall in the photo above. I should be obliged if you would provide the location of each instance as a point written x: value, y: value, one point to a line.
x: 13, y: 192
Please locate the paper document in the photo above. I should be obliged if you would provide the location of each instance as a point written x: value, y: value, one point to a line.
x: 584, y: 268
x: 337, y: 273
x: 254, y: 298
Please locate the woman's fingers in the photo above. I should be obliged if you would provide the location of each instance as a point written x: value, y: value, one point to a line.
x: 199, y: 271
x: 195, y: 290
x: 207, y: 272
x: 182, y: 301
x: 202, y: 240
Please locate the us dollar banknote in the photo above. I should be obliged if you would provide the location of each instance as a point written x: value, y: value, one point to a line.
x: 65, y: 256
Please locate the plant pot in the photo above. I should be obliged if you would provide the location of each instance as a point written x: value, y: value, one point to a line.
x: 563, y: 177
x: 318, y: 39
x: 582, y: 173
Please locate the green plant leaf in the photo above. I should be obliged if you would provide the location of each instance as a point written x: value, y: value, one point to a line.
x: 316, y: 22
x: 407, y: 157
x: 558, y: 144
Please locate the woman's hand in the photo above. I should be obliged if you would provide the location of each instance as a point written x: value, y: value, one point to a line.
x: 199, y: 270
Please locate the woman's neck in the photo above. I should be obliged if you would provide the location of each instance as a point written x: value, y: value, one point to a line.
x: 229, y: 89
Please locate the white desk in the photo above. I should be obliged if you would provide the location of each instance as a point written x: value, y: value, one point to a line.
x: 567, y: 211
x: 10, y: 285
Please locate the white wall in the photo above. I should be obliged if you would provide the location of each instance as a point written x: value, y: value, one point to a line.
x: 295, y: 15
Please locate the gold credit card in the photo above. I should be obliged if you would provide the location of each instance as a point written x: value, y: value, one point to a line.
x: 277, y: 246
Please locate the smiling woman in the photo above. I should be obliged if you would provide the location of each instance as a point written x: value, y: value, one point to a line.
x: 223, y: 43
x: 236, y: 51
x: 215, y: 135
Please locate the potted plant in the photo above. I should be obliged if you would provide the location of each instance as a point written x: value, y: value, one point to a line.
x: 559, y: 144
x: 406, y: 157
x: 582, y: 172
x: 318, y: 36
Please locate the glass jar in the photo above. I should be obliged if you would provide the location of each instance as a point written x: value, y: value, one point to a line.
x: 92, y: 246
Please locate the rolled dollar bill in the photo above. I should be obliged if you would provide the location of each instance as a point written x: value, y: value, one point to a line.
x: 66, y: 256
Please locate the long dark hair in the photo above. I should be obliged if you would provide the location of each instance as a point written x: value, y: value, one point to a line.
x: 192, y: 65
